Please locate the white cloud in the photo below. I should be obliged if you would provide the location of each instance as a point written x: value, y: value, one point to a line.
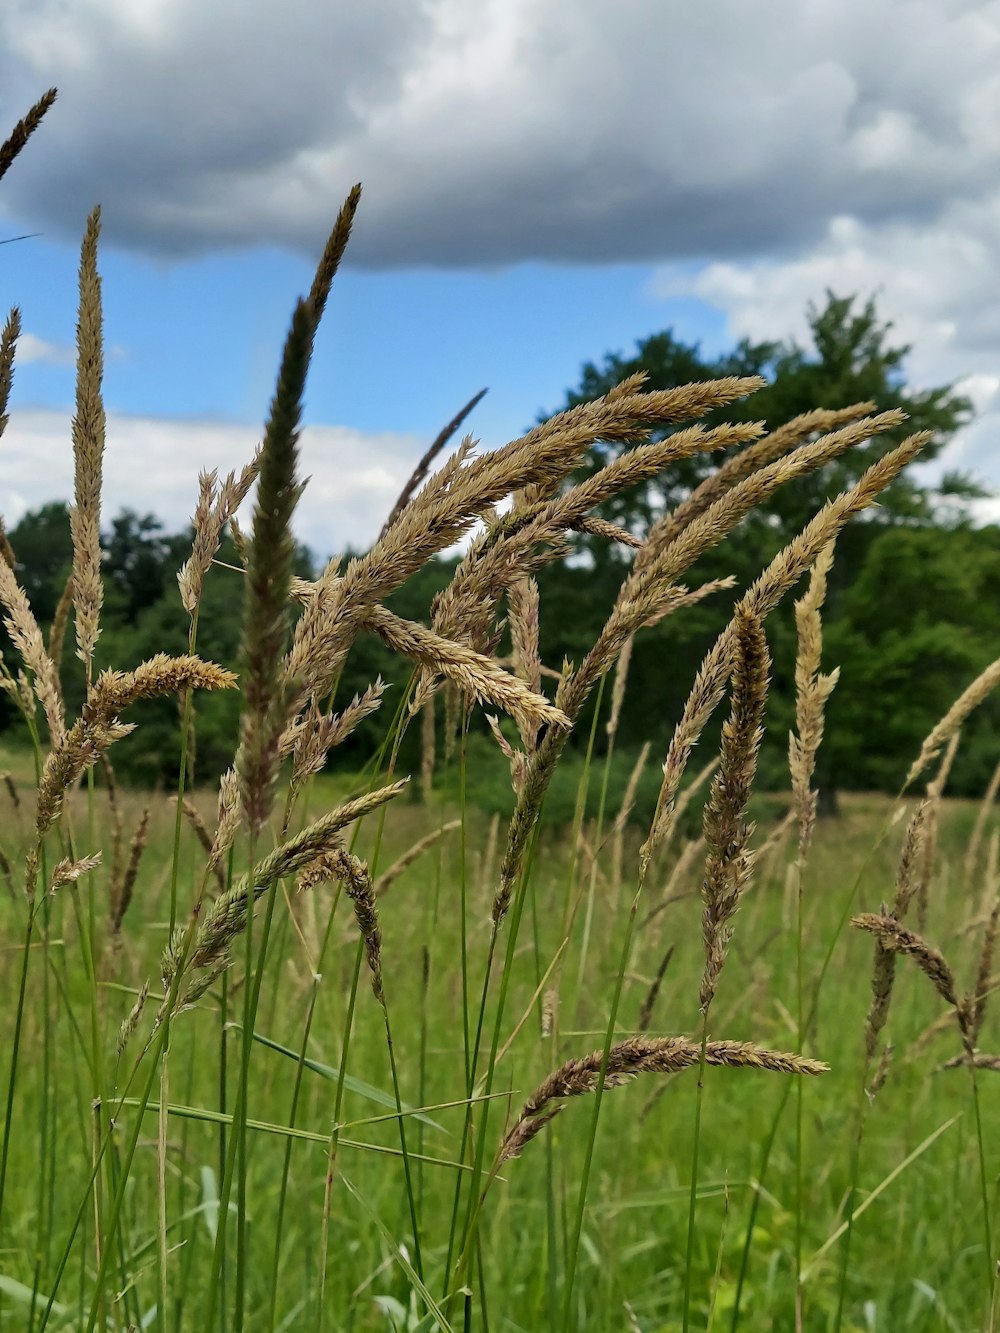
x: 502, y: 130
x: 851, y: 144
x: 32, y: 348
x: 933, y: 281
x: 151, y: 465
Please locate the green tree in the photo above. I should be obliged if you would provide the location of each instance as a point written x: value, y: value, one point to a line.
x: 874, y: 631
x: 853, y: 360
x: 43, y: 550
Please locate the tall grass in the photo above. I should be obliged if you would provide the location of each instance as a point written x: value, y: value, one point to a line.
x: 211, y: 1123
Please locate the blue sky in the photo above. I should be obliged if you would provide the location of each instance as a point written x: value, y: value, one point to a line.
x: 399, y: 350
x: 536, y: 194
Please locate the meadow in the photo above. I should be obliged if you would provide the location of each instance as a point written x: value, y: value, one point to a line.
x: 329, y: 1049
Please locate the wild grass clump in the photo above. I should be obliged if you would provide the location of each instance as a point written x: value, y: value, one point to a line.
x: 210, y: 1124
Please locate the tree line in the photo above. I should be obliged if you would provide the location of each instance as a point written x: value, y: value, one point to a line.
x: 910, y: 615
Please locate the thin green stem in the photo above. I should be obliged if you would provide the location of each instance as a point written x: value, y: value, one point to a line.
x: 693, y: 1195
x: 576, y: 1234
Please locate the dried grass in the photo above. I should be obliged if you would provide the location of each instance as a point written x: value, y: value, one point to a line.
x: 626, y: 1060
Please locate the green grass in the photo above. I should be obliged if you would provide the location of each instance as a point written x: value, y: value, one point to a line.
x: 916, y: 1252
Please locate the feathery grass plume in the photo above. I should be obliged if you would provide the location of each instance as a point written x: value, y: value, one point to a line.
x: 706, y: 694
x: 660, y: 563
x: 652, y: 995
x: 991, y: 877
x: 523, y: 607
x: 11, y: 786
x: 911, y: 859
x: 730, y: 863
x: 453, y: 499
x: 8, y: 874
x: 23, y: 131
x: 57, y: 630
x: 982, y: 817
x: 240, y: 541
x: 6, y: 550
x: 389, y: 876
x: 550, y: 1012
x: 27, y: 638
x: 638, y: 1055
x: 884, y: 965
x: 930, y: 961
x: 122, y: 898
x: 191, y: 575
x: 333, y: 252
x: 646, y: 461
x: 97, y: 727
x: 131, y: 1020
x: 194, y: 817
x: 984, y: 970
x: 472, y: 672
x: 311, y: 737
x: 977, y: 1059
x: 967, y: 701
x: 790, y: 564
x: 8, y: 342
x: 935, y: 794
x: 217, y: 506
x: 812, y: 690
x: 419, y: 474
x: 88, y: 450
x: 226, y: 919
x: 594, y: 526
x: 762, y: 597
x: 881, y: 1070
x: 532, y: 535
x: 356, y: 878
x: 68, y: 871
x: 229, y: 819
x: 266, y: 609
x: 756, y: 455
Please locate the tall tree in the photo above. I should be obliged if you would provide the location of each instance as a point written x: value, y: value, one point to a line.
x: 852, y: 360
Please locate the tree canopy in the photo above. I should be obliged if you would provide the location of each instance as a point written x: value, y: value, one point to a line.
x: 853, y: 360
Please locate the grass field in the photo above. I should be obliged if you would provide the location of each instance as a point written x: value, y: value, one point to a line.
x: 917, y: 1252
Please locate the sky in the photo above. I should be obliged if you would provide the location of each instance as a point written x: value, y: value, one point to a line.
x: 544, y: 181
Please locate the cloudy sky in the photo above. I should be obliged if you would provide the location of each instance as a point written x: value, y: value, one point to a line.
x: 544, y: 181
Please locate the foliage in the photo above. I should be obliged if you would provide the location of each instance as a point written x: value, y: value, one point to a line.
x: 852, y: 361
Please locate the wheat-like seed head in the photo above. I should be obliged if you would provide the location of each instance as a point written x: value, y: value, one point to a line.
x: 638, y: 1055
x: 966, y: 703
x: 8, y: 342
x: 227, y: 917
x: 23, y: 130
x: 729, y: 863
x: 27, y: 637
x: 812, y: 690
x: 98, y: 727
x: 88, y: 449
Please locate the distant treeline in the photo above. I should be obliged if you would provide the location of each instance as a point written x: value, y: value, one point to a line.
x: 910, y: 617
